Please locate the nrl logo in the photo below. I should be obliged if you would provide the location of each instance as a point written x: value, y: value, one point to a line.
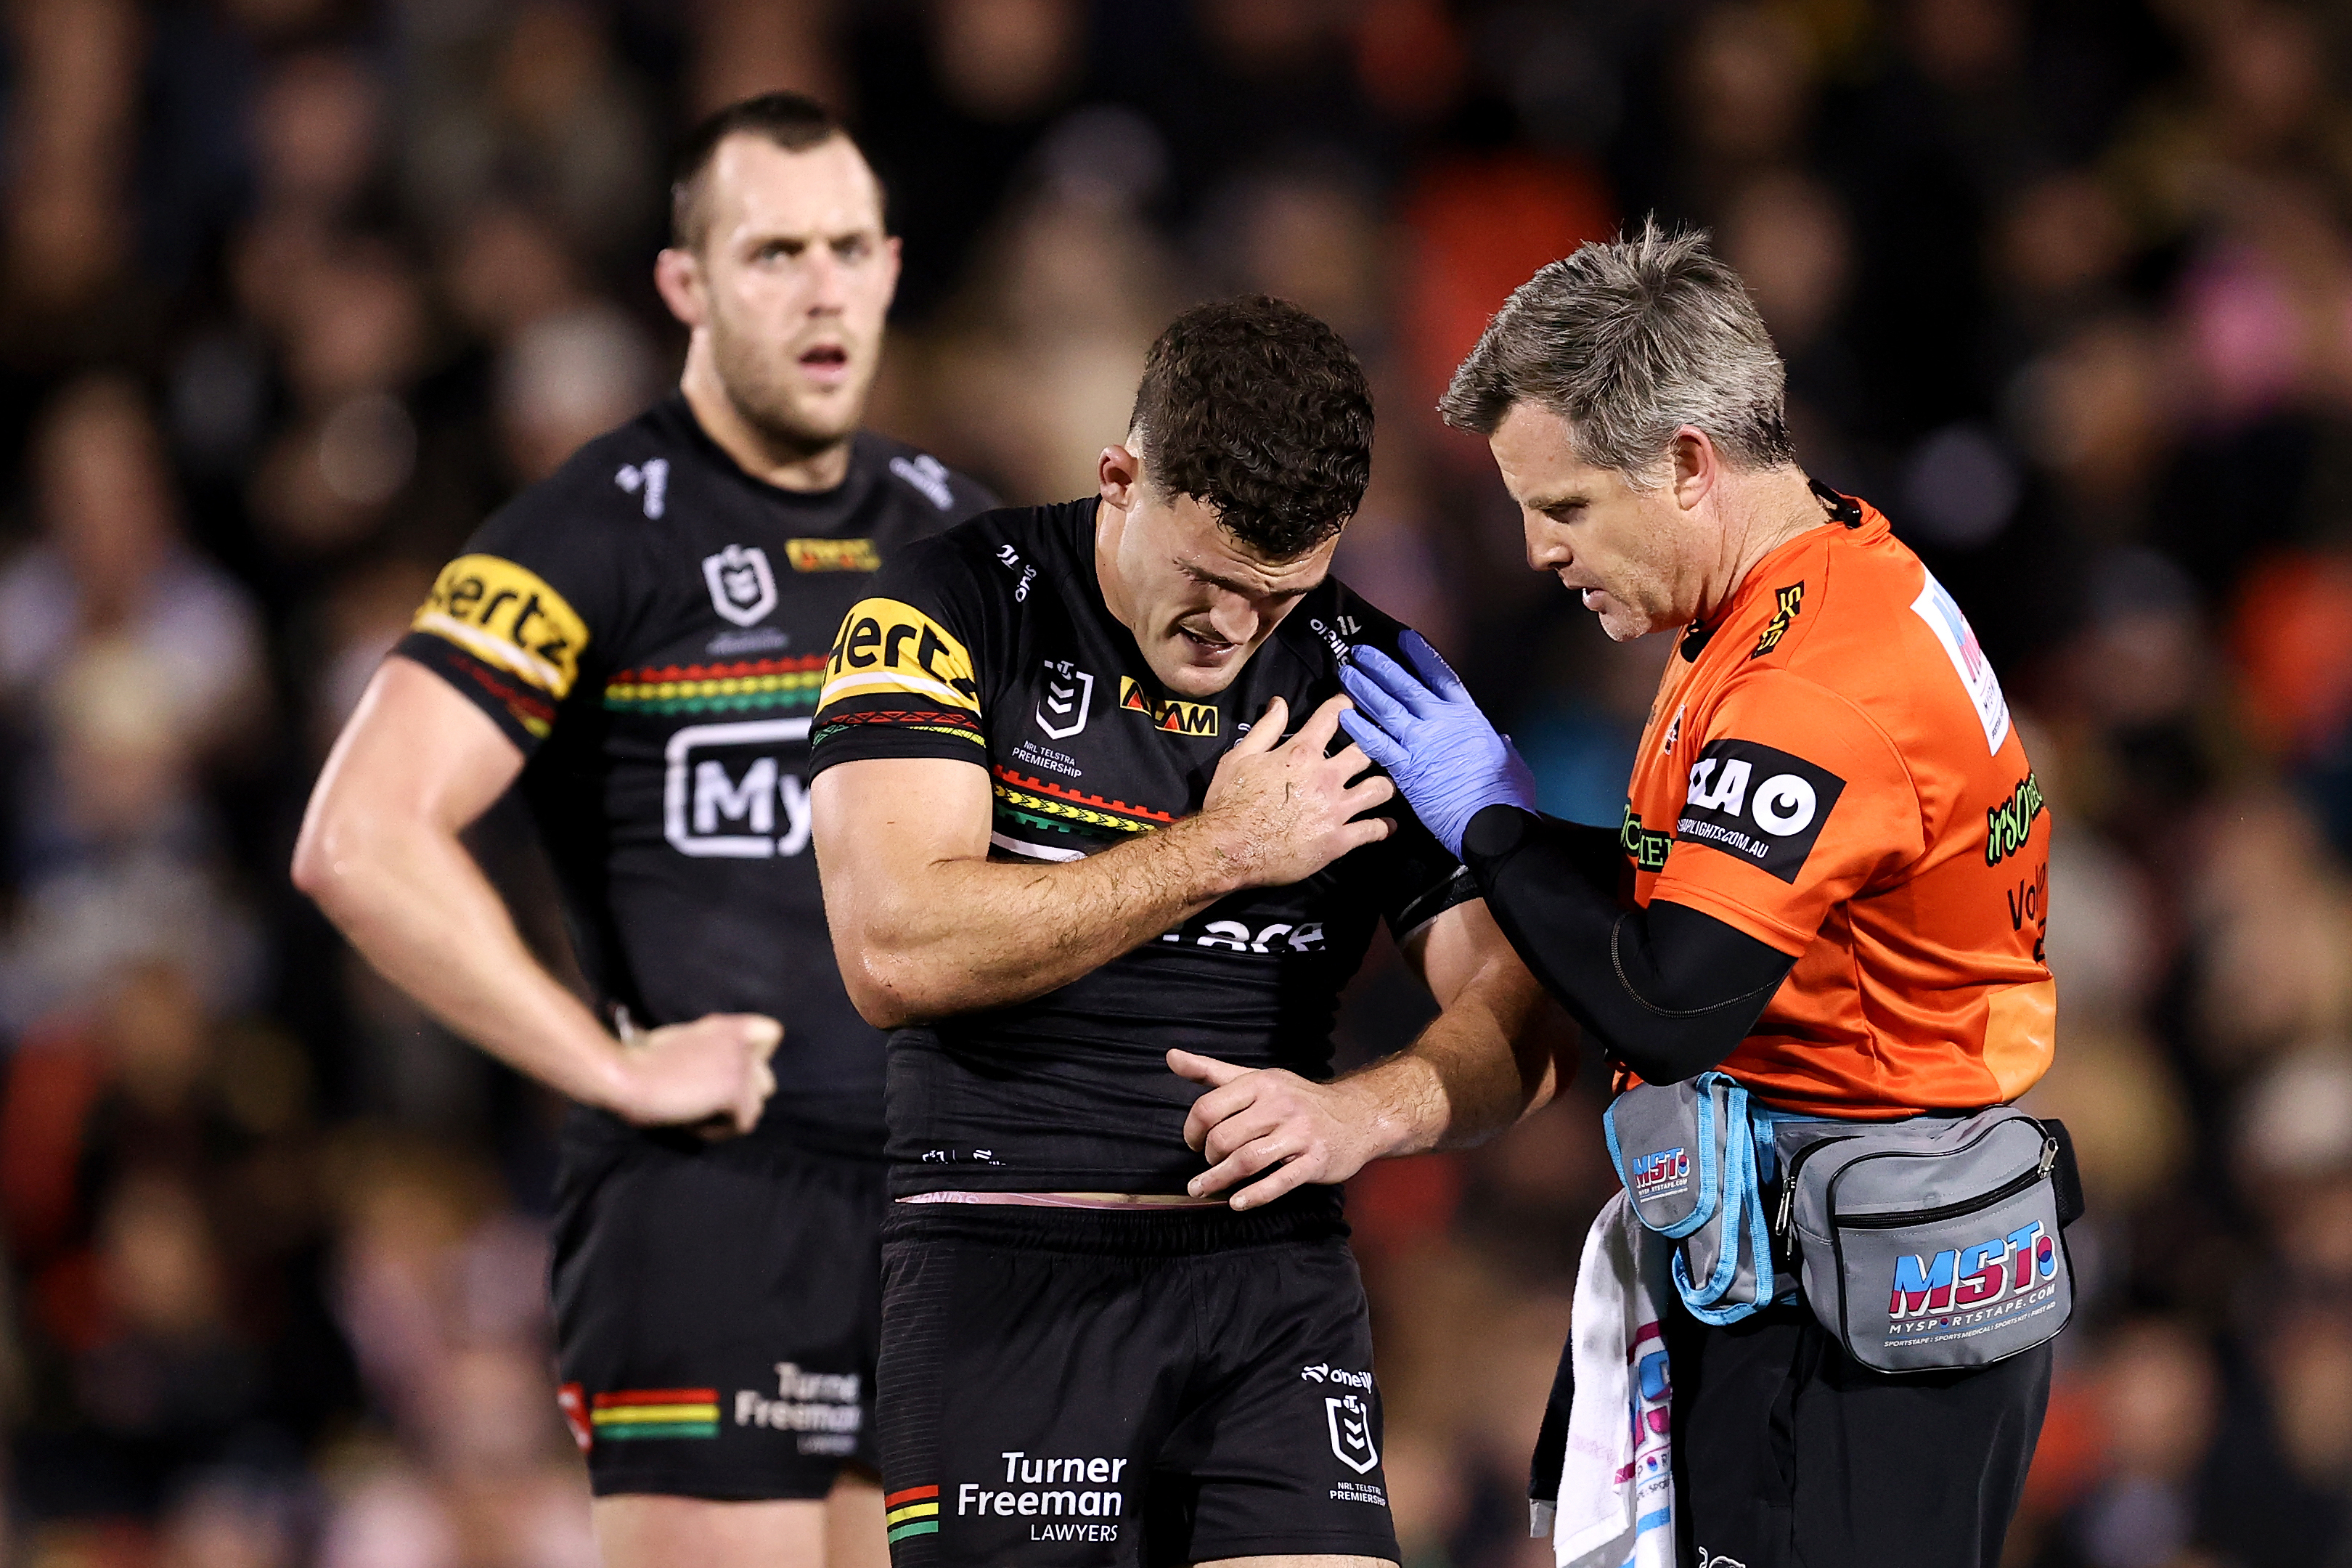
x: 1351, y: 1421
x: 1068, y: 690
x: 742, y: 585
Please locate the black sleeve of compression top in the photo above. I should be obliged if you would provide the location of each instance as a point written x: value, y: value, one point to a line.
x: 1667, y: 989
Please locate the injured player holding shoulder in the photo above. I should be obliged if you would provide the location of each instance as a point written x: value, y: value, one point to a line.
x: 1095, y: 853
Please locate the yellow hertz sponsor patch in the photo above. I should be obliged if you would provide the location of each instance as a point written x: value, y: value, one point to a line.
x: 504, y: 615
x: 887, y: 647
x: 1178, y: 717
x: 832, y: 555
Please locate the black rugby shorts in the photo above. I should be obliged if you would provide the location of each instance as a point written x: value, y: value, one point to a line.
x: 1065, y: 1387
x: 716, y: 1313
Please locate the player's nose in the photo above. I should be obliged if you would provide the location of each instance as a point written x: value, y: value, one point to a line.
x: 828, y: 283
x: 1233, y: 618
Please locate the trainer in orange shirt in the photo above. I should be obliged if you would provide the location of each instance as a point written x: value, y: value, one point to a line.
x: 1829, y: 882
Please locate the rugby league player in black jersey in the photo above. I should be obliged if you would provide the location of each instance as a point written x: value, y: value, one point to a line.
x: 1091, y: 852
x: 640, y: 640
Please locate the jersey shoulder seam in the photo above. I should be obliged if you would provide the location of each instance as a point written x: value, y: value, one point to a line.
x: 1919, y: 806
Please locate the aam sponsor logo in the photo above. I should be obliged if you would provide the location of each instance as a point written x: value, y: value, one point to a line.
x: 1166, y: 713
x: 822, y: 1407
x: 505, y: 615
x: 1757, y: 803
x: 886, y: 646
x: 726, y: 795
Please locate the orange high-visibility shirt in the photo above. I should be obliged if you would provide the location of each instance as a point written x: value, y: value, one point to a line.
x: 1836, y: 773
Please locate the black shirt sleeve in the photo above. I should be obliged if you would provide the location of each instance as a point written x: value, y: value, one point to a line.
x: 510, y: 623
x: 910, y: 662
x: 1669, y: 991
x: 1419, y: 878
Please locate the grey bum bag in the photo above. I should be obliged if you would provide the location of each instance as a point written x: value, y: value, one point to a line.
x: 1931, y: 1244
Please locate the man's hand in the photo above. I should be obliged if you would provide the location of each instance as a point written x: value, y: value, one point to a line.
x: 1282, y: 809
x: 1255, y: 1118
x: 1428, y: 732
x: 712, y: 1073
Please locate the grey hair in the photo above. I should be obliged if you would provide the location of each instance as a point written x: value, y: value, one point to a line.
x: 1628, y: 341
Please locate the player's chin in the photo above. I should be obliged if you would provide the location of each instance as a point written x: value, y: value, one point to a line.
x: 814, y: 415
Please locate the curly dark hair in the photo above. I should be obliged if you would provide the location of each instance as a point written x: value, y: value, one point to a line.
x: 1257, y: 410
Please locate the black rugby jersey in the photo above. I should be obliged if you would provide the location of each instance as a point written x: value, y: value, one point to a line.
x: 650, y: 625
x: 990, y: 644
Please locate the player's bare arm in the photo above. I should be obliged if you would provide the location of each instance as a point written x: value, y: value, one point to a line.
x: 381, y: 853
x: 1478, y: 1068
x: 925, y: 924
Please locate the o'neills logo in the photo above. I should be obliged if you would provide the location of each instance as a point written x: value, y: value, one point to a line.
x: 2008, y: 825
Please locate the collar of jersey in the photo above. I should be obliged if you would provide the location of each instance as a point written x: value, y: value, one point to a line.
x: 834, y: 500
x: 1757, y: 583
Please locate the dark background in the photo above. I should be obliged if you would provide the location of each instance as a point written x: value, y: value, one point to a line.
x: 292, y: 291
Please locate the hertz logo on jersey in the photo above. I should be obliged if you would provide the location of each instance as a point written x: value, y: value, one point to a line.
x: 886, y: 647
x: 1176, y: 718
x: 504, y: 615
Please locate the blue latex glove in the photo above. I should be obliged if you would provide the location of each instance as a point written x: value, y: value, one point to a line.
x: 1446, y: 760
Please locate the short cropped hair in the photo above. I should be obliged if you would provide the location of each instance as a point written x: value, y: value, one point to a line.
x: 792, y: 121
x: 1628, y: 341
x: 1260, y: 412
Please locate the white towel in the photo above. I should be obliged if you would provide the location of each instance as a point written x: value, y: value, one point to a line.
x: 1616, y: 1506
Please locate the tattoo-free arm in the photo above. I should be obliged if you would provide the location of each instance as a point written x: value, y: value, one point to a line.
x: 380, y: 852
x: 1478, y: 1067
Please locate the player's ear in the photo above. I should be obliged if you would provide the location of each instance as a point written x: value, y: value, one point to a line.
x: 1120, y: 472
x: 677, y: 276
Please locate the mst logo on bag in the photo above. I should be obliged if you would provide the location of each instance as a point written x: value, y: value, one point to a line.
x: 1965, y: 1286
x: 1757, y: 803
x: 1661, y: 1175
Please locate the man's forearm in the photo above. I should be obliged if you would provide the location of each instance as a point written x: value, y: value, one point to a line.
x: 961, y: 935
x: 415, y: 905
x: 1478, y: 1067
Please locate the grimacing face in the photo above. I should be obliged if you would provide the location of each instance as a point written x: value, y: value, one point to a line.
x: 1630, y: 553
x: 1199, y: 601
x: 794, y: 275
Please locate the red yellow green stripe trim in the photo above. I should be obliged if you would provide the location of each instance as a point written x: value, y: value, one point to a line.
x: 915, y: 1512
x: 655, y: 1413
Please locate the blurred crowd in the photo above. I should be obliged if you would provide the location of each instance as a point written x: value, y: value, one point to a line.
x: 293, y: 292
